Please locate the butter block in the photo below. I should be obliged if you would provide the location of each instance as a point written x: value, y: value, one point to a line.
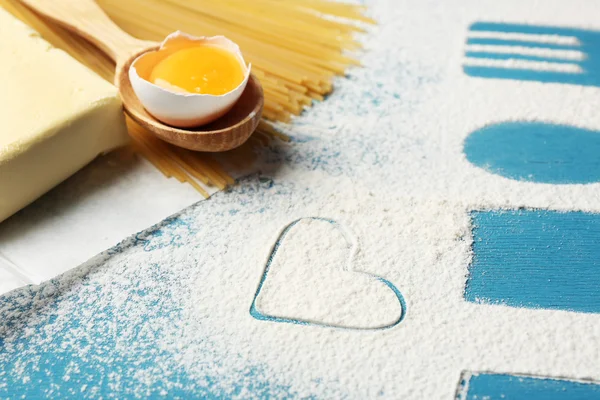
x: 56, y: 116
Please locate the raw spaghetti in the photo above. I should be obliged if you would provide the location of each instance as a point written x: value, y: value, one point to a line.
x: 296, y: 48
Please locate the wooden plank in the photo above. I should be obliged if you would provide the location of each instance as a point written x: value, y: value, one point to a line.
x: 491, y: 386
x: 536, y: 259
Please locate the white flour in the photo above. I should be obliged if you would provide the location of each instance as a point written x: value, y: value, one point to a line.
x: 311, y: 278
x: 168, y: 310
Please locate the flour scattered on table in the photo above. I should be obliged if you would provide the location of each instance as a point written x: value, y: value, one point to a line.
x: 167, y: 311
x: 310, y: 278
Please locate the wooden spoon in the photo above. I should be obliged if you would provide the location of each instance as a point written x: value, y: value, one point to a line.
x: 86, y: 19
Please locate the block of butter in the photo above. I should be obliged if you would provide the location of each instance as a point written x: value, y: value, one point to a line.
x: 55, y: 115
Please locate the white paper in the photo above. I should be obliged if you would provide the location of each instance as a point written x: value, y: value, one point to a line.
x: 114, y: 197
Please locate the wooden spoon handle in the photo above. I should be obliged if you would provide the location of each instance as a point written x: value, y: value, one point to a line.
x: 86, y: 19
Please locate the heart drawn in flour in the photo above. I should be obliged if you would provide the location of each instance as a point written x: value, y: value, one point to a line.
x: 309, y: 280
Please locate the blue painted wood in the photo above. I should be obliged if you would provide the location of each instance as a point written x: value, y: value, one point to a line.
x: 588, y: 42
x: 536, y: 259
x: 536, y: 152
x: 506, y: 387
x: 112, y: 367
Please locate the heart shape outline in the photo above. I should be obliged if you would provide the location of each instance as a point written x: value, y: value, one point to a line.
x: 256, y: 314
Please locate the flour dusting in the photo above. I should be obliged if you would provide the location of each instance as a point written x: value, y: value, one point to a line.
x: 167, y: 312
x: 310, y: 278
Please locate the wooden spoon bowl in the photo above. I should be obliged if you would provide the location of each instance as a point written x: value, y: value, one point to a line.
x: 226, y: 133
x: 86, y: 19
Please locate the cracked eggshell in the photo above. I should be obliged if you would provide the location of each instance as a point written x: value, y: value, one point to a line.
x: 183, y: 110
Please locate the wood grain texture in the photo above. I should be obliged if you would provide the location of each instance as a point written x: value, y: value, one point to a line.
x: 536, y: 259
x: 517, y: 387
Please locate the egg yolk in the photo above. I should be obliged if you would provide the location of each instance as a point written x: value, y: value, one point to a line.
x: 200, y: 70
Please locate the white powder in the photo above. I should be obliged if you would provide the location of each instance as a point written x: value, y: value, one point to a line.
x: 311, y: 278
x: 168, y: 310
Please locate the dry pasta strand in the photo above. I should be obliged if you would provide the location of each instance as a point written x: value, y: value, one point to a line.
x: 296, y: 48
